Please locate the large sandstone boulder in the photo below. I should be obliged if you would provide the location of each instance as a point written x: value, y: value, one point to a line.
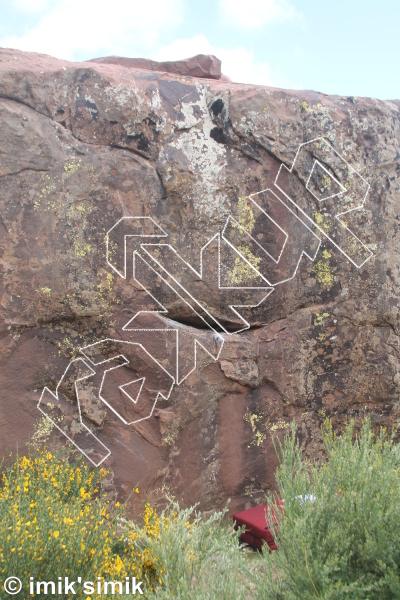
x: 247, y: 303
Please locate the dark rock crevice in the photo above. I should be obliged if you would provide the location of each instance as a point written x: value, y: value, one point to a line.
x: 23, y: 170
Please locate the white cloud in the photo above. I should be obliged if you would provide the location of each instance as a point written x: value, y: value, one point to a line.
x: 238, y: 63
x: 254, y: 14
x: 32, y: 6
x: 72, y: 29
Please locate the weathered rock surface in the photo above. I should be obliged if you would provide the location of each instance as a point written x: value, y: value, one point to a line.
x: 83, y: 145
x: 204, y: 66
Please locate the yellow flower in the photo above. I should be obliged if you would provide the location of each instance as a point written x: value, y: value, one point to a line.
x: 56, y: 534
x: 137, y: 490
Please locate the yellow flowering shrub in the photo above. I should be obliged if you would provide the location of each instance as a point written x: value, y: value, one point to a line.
x: 56, y: 521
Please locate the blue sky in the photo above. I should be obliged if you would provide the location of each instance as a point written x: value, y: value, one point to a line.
x: 343, y: 47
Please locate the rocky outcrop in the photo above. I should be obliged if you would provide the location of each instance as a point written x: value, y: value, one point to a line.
x: 204, y: 66
x: 250, y: 304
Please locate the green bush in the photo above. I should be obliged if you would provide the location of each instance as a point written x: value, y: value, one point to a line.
x: 345, y: 543
x: 196, y: 556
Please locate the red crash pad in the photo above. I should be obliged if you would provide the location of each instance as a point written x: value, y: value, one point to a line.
x: 258, y: 525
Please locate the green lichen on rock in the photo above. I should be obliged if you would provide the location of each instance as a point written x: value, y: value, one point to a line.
x: 72, y: 166
x: 254, y: 421
x: 246, y: 217
x: 81, y: 248
x: 325, y: 183
x: 105, y: 287
x: 352, y: 246
x: 66, y: 347
x: 322, y: 271
x: 319, y: 318
x: 243, y: 272
x: 322, y: 221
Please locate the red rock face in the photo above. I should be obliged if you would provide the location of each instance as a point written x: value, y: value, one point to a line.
x: 197, y: 162
x: 202, y: 66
